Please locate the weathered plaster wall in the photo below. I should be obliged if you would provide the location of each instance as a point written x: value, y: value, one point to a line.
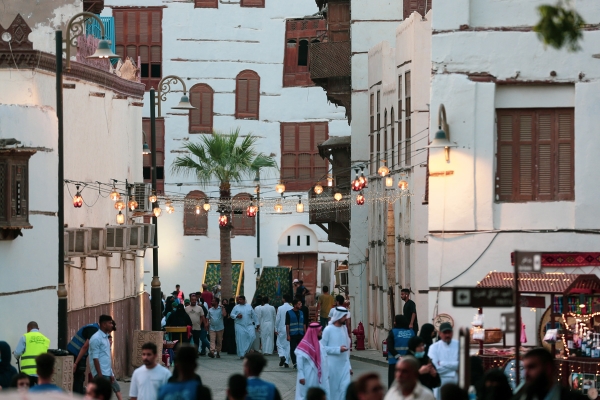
x: 489, y: 231
x: 246, y: 38
x: 102, y: 141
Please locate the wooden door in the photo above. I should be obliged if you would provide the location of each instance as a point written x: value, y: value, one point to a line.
x: 304, y: 268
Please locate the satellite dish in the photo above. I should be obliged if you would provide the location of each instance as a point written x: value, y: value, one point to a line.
x: 440, y: 319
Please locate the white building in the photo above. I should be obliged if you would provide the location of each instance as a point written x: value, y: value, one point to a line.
x: 399, y: 87
x: 102, y: 142
x: 523, y: 175
x: 246, y: 66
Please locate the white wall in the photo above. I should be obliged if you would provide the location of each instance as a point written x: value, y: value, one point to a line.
x: 246, y: 38
x: 102, y: 141
x: 486, y: 232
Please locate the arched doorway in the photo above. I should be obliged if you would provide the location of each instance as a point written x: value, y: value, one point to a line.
x: 298, y: 249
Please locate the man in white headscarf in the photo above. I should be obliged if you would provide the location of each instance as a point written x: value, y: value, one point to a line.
x: 283, y: 346
x: 245, y: 326
x: 336, y: 343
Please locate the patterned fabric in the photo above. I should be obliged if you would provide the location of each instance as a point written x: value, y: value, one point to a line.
x: 212, y: 275
x: 583, y: 259
x: 274, y: 282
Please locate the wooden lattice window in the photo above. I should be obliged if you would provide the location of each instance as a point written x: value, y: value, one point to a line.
x: 138, y: 33
x: 247, y: 95
x: 206, y: 3
x: 393, y: 137
x: 14, y: 190
x: 378, y: 147
x: 160, y: 153
x: 372, y: 133
x: 400, y: 122
x: 195, y: 224
x: 201, y: 119
x: 535, y: 159
x: 299, y: 34
x: 243, y: 225
x: 420, y: 6
x: 301, y: 164
x: 253, y: 3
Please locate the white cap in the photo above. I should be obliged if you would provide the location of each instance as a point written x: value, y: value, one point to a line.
x: 296, y: 281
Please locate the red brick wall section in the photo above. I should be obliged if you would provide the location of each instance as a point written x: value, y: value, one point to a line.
x: 130, y: 314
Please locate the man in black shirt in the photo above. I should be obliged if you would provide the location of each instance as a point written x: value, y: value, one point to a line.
x: 410, y: 310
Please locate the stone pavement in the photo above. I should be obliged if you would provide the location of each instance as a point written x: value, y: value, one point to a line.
x: 368, y: 356
x: 216, y: 372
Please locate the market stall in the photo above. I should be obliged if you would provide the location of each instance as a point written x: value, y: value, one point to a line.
x: 569, y: 329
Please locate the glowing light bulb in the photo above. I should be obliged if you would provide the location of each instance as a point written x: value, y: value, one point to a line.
x: 403, y: 185
x: 278, y: 207
x: 114, y: 195
x: 280, y: 188
x: 389, y: 181
x: 77, y: 199
x: 119, y: 205
x: 152, y: 198
x: 251, y: 211
x: 338, y: 196
x: 300, y: 207
x: 120, y: 218
x: 198, y: 210
x: 157, y: 211
x: 383, y: 170
x: 360, y: 199
x: 318, y: 188
x: 132, y: 204
x: 223, y: 220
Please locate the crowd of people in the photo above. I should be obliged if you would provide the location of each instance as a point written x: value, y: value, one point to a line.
x: 419, y: 367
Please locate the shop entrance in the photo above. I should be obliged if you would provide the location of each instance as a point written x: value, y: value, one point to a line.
x: 304, y: 268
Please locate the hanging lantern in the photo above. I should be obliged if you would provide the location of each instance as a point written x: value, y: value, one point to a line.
x: 363, y: 179
x: 119, y: 205
x: 132, y: 204
x: 403, y: 185
x: 383, y: 170
x: 206, y: 205
x: 329, y: 180
x: 223, y: 220
x: 152, y: 198
x: 299, y: 206
x: 77, y: 199
x: 360, y: 199
x: 169, y: 207
x: 120, y: 218
x: 356, y: 183
x: 338, y: 196
x: 280, y: 188
x: 389, y: 181
x: 198, y: 209
x: 318, y: 188
x: 114, y: 195
x: 157, y: 211
x: 278, y: 207
x: 251, y: 210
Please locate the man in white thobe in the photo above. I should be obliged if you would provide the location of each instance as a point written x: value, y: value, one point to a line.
x: 245, y: 326
x: 257, y: 312
x: 267, y: 325
x: 336, y: 343
x: 283, y: 346
x: 444, y: 356
x: 311, y: 360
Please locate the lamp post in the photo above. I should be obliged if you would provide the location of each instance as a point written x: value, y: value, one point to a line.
x: 164, y: 87
x: 75, y: 28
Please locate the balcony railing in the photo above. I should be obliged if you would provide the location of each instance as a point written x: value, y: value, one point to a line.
x: 325, y: 209
x: 329, y: 60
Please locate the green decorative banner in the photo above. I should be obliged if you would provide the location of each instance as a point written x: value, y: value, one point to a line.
x: 212, y: 275
x: 274, y: 282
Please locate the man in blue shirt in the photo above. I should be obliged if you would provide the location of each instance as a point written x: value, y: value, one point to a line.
x: 397, y: 344
x: 100, y: 355
x: 258, y: 389
x: 45, y: 369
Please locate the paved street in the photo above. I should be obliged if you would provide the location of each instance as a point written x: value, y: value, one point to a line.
x: 215, y: 373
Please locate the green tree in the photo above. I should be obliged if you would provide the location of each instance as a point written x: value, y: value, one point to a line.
x: 560, y: 26
x: 227, y: 159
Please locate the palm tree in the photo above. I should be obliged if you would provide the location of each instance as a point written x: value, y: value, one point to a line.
x: 220, y: 157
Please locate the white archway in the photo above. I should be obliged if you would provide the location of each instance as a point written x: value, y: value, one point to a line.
x: 298, y: 239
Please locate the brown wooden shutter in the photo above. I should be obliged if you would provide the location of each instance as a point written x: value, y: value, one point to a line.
x: 252, y: 3
x: 247, y: 95
x: 504, y: 171
x: 565, y: 158
x: 119, y: 33
x: 319, y: 163
x: 194, y: 224
x: 201, y: 119
x: 288, y: 152
x: 206, y: 4
x: 242, y: 224
x: 524, y: 154
x: 301, y: 165
x: 545, y: 162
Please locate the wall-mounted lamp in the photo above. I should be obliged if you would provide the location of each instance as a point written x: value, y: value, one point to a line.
x: 442, y: 136
x: 145, y: 148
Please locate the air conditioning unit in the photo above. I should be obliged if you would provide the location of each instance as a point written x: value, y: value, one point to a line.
x: 341, y: 277
x: 141, y: 192
x: 136, y: 237
x: 78, y: 242
x: 149, y: 230
x: 97, y: 240
x: 117, y: 238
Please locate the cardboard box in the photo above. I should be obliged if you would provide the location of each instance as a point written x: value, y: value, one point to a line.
x: 141, y: 337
